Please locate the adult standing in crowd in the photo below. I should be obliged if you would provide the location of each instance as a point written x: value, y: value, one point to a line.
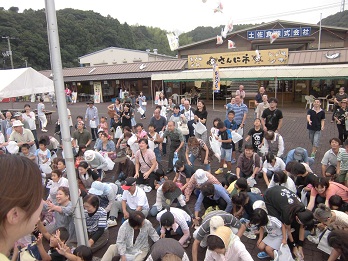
x: 177, y: 142
x: 315, y: 124
x: 263, y: 105
x: 240, y: 110
x: 142, y: 104
x: 21, y: 204
x: 92, y: 117
x: 340, y: 119
x: 241, y: 93
x: 189, y: 114
x: 272, y: 117
x: 29, y: 116
x: 6, y: 123
x: 81, y: 137
x: 259, y: 96
x: 201, y: 115
x: 41, y: 115
x: 160, y: 124
x: 340, y: 96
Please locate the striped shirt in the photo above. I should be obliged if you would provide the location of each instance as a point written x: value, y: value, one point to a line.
x: 239, y: 111
x: 342, y: 157
x: 98, y: 220
x: 229, y: 221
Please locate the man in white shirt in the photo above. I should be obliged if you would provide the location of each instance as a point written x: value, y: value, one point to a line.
x: 133, y: 199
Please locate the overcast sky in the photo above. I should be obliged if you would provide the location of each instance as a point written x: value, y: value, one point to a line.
x: 185, y: 15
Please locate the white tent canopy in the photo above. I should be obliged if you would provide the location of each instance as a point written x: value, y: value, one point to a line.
x: 267, y: 72
x: 24, y: 81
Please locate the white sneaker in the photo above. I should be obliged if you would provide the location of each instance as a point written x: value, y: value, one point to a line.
x: 112, y: 223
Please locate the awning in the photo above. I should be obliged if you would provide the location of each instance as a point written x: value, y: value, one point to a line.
x: 260, y: 73
x: 105, y: 77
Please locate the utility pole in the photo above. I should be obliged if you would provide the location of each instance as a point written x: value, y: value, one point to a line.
x: 343, y: 3
x: 57, y: 71
x: 9, y: 48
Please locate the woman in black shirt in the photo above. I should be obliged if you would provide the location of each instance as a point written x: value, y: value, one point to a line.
x: 201, y: 115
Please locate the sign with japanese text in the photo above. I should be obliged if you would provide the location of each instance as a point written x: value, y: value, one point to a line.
x: 216, y: 78
x: 283, y: 33
x: 239, y: 59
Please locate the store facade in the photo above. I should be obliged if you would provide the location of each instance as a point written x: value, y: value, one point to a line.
x: 305, y: 59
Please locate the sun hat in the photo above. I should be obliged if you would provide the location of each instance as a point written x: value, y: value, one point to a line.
x: 89, y: 155
x: 97, y: 188
x: 201, y: 176
x: 17, y: 123
x: 129, y: 182
x: 17, y: 114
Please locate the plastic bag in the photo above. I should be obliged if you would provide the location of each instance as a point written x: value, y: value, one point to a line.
x: 151, y: 145
x: 92, y: 124
x: 175, y: 159
x: 199, y: 127
x: 183, y: 128
x: 236, y: 136
x: 284, y: 253
x: 118, y: 132
x: 141, y: 111
x: 45, y: 168
x: 323, y: 245
x: 215, y: 146
x: 12, y: 147
x: 251, y: 182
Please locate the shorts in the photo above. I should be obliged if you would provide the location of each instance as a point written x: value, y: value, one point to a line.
x: 343, y: 176
x: 226, y: 154
x: 314, y: 137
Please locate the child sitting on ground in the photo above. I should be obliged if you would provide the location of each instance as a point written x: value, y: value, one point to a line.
x: 61, y: 236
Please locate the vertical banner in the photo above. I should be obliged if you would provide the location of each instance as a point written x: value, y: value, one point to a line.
x: 97, y: 92
x: 216, y: 79
x: 157, y: 96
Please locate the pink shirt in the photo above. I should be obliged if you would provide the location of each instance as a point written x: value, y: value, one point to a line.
x: 146, y: 163
x: 333, y: 189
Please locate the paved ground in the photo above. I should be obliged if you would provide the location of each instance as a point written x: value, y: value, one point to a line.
x: 294, y: 133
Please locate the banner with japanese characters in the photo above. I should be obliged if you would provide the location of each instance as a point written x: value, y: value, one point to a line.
x: 216, y: 78
x: 239, y: 59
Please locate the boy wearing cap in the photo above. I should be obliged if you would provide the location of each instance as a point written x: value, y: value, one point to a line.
x: 124, y: 167
x: 18, y: 116
x: 133, y: 199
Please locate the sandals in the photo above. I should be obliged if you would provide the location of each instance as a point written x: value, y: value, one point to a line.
x: 262, y: 255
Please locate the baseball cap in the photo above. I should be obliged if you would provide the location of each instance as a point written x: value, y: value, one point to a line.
x: 299, y: 154
x: 201, y: 176
x: 129, y: 182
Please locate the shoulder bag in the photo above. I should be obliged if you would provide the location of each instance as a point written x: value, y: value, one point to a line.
x: 159, y: 172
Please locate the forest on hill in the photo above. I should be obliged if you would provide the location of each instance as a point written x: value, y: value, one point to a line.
x: 83, y: 32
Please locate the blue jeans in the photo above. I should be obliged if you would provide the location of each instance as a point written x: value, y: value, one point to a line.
x: 158, y: 154
x: 192, y: 160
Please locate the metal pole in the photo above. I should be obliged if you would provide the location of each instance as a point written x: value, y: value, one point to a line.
x: 319, y: 31
x: 56, y: 63
x: 213, y: 96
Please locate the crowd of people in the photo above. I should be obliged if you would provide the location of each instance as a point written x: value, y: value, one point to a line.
x: 222, y: 204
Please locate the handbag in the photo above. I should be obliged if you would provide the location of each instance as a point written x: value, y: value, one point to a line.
x: 211, y: 154
x: 111, y: 113
x: 183, y: 128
